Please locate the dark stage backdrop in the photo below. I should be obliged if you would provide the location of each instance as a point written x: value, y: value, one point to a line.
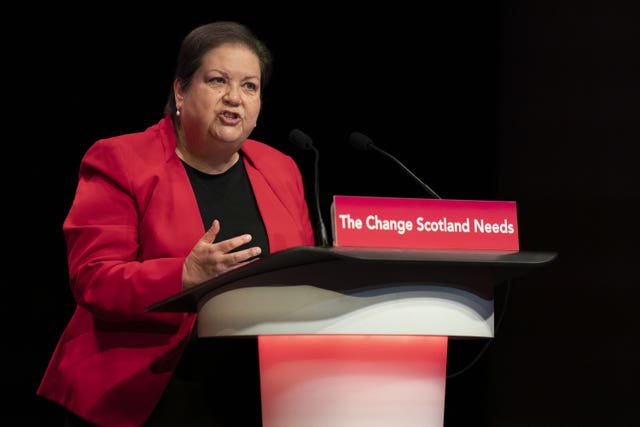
x: 530, y: 101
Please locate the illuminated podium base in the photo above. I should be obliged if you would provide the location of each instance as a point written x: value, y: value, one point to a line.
x: 354, y: 337
x: 352, y: 380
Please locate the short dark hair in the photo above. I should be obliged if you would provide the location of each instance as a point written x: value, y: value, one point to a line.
x: 210, y: 36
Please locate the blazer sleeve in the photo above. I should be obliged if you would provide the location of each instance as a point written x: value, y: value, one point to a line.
x: 109, y: 275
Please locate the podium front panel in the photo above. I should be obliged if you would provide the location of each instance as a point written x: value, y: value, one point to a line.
x: 352, y: 380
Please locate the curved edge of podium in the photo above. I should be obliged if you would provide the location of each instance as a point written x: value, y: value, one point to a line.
x: 349, y: 270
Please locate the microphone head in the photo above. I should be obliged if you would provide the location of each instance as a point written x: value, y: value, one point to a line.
x: 360, y: 141
x: 300, y: 139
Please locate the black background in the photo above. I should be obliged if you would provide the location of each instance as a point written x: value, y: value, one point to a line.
x: 536, y: 102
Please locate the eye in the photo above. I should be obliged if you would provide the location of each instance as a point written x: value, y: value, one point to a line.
x: 251, y: 86
x: 217, y: 80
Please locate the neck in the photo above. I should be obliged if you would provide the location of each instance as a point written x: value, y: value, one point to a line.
x: 211, y: 162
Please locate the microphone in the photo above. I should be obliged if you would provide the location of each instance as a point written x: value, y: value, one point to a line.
x: 304, y: 142
x: 364, y: 143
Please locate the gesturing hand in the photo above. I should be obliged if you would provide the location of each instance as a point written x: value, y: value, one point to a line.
x: 209, y: 259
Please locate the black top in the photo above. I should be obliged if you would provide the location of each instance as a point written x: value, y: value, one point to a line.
x: 217, y: 381
x: 229, y: 198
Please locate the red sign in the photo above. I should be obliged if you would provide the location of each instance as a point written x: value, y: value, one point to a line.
x: 390, y: 222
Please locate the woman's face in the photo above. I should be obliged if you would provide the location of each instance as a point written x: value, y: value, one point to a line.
x: 222, y: 104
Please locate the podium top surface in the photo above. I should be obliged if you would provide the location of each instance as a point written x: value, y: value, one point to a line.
x: 344, y: 268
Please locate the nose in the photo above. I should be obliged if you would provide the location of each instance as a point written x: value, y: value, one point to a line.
x: 232, y: 94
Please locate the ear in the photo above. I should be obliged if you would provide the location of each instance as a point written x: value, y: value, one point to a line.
x: 177, y: 93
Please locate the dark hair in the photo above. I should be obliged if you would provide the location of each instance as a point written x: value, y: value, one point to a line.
x: 210, y: 36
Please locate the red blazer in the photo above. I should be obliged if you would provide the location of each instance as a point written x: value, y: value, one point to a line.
x: 132, y: 222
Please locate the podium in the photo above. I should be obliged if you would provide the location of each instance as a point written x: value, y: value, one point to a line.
x: 355, y: 336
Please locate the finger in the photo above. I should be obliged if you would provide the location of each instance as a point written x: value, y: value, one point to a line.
x: 211, y: 234
x: 247, y: 254
x: 244, y: 257
x: 221, y: 262
x: 226, y: 246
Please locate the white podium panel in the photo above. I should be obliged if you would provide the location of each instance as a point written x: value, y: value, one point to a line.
x: 304, y: 309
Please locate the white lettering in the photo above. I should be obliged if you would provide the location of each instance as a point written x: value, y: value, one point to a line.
x: 504, y: 227
x: 349, y: 223
x: 376, y: 224
x: 443, y: 225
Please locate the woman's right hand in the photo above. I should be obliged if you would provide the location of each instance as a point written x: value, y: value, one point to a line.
x: 208, y: 258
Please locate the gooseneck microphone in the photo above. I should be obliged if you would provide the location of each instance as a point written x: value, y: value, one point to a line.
x: 304, y: 142
x: 364, y: 143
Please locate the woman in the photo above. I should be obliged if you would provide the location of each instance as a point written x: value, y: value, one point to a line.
x: 162, y: 210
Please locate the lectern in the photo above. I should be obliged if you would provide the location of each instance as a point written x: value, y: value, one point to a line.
x: 355, y: 336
